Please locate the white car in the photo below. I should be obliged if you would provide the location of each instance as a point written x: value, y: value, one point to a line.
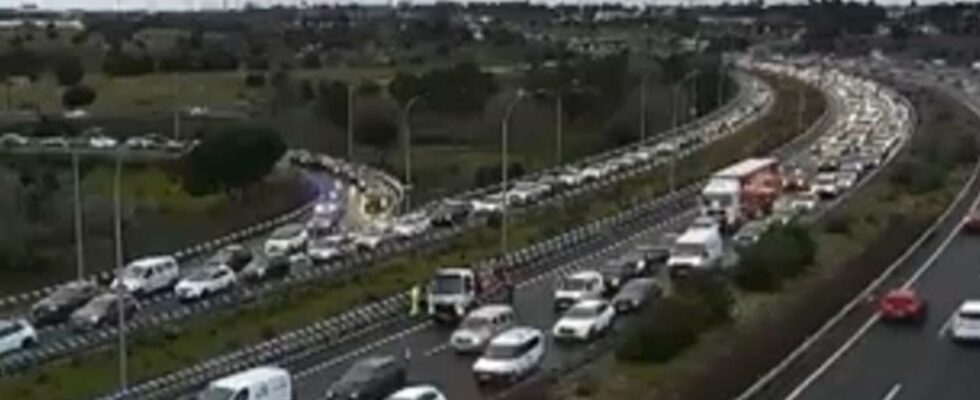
x: 205, y: 282
x: 524, y: 192
x: 825, y: 185
x: 571, y: 177
x: 488, y: 205
x: 578, y: 286
x: 139, y: 142
x: 965, y: 324
x: 846, y: 180
x: 13, y: 140
x: 585, y: 320
x: 368, y: 240
x: 148, y: 275
x: 665, y: 149
x: 510, y: 356
x: 419, y: 392
x: 410, y: 225
x: 55, y: 141
x: 480, y: 325
x: 102, y: 142
x: 327, y: 247
x: 591, y: 173
x: 16, y: 335
x: 287, y: 239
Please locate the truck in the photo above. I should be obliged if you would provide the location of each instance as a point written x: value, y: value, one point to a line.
x: 741, y: 192
x: 453, y: 292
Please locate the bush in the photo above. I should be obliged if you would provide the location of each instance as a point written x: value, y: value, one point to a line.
x: 838, y: 223
x: 711, y: 293
x: 783, y: 252
x: 255, y: 79
x: 78, y: 96
x: 662, y: 332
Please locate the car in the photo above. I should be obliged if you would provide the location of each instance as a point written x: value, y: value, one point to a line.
x: 592, y: 173
x: 586, y: 320
x: 140, y: 142
x: 488, y: 205
x: 288, y: 239
x: 54, y: 142
x: 665, y: 149
x: 326, y: 210
x: 410, y: 225
x: 902, y: 305
x: 965, y: 323
x: 204, y: 282
x: 481, y: 325
x: 450, y: 213
x: 570, y: 177
x: 846, y: 179
x: 510, y: 356
x: 198, y: 111
x: 102, y: 310
x: 16, y: 335
x: 13, y: 140
x: 617, y: 271
x: 263, y: 267
x: 102, y: 142
x: 750, y: 233
x: 327, y: 248
x: 368, y: 240
x: 58, y: 305
x: 418, y: 392
x: 796, y: 181
x: 372, y: 378
x: 634, y: 294
x: 804, y: 202
x: 75, y: 114
x: 825, y: 185
x: 578, y: 286
x: 259, y: 383
x: 971, y: 224
x: 148, y: 275
x: 174, y: 145
x: 524, y: 192
x: 234, y: 256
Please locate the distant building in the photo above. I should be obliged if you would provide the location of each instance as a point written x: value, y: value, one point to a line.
x: 67, y: 24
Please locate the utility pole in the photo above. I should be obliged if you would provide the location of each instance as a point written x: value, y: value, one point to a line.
x: 120, y: 288
x: 559, y: 117
x: 177, y: 124
x: 504, y: 133
x: 79, y: 233
x: 407, y: 134
x: 350, y: 122
x: 721, y: 84
x: 802, y: 108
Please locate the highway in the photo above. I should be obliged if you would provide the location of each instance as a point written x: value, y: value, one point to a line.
x: 424, y: 345
x: 862, y: 357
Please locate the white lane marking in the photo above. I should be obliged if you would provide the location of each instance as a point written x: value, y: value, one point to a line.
x: 946, y: 325
x: 911, y: 281
x: 893, y: 393
x: 435, y: 350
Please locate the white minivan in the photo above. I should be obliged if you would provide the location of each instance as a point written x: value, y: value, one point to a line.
x: 261, y: 383
x: 148, y: 275
x: 480, y: 326
x: 697, y: 249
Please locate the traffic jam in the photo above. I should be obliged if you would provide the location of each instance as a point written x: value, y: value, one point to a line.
x: 497, y: 338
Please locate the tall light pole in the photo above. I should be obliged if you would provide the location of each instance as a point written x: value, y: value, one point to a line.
x: 503, y: 167
x: 350, y: 121
x: 407, y: 135
x: 559, y: 121
x: 120, y: 288
x: 79, y: 234
x: 673, y: 99
x: 721, y: 84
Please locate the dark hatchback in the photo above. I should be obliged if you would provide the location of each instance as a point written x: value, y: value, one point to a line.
x: 58, y: 306
x: 372, y: 378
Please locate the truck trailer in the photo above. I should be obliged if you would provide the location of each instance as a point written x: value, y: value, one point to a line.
x: 741, y: 192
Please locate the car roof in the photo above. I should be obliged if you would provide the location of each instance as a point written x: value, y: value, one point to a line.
x: 152, y: 260
x: 586, y: 274
x: 376, y: 361
x: 492, y: 310
x: 516, y: 335
x: 243, y: 379
x: 590, y: 303
x: 414, y: 391
x: 970, y: 306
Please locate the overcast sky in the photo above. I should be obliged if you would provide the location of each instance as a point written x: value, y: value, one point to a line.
x: 212, y: 4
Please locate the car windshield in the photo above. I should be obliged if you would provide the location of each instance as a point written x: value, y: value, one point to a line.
x: 447, y: 284
x: 722, y: 200
x: 825, y: 179
x: 576, y: 284
x: 474, y: 323
x: 286, y: 232
x: 502, y: 352
x: 200, y: 275
x: 101, y: 303
x: 69, y: 291
x: 359, y: 372
x: 688, y: 249
x: 971, y: 315
x: 580, y: 312
x: 216, y: 393
x: 133, y: 272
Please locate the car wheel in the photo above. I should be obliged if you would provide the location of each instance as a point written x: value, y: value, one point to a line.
x: 28, y: 343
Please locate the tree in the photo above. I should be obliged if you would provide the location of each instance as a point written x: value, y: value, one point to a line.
x: 69, y: 71
x: 332, y: 102
x: 232, y: 158
x: 255, y: 79
x: 311, y: 60
x: 78, y: 96
x: 119, y: 63
x: 404, y: 86
x: 377, y: 131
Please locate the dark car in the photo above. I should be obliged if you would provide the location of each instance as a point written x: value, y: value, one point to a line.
x: 371, y: 378
x: 449, y: 214
x: 103, y: 310
x: 971, y: 224
x: 654, y: 256
x: 618, y: 271
x: 233, y: 256
x: 635, y: 293
x: 59, y: 305
x: 265, y: 267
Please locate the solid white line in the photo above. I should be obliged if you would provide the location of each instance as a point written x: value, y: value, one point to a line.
x: 911, y: 281
x: 893, y: 393
x: 945, y: 328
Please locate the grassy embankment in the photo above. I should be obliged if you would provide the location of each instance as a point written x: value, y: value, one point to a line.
x: 202, y: 337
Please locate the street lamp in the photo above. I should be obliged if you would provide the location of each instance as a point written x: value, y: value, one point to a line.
x: 559, y: 119
x: 407, y: 135
x: 503, y: 167
x: 79, y: 232
x: 350, y: 121
x: 120, y: 288
x: 673, y: 100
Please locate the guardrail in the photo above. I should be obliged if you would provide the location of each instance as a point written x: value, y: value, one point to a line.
x: 335, y: 329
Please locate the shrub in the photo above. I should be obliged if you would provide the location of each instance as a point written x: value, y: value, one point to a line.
x: 783, y: 252
x: 709, y: 292
x: 838, y: 223
x: 662, y: 332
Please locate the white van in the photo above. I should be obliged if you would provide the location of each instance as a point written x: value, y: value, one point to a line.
x: 480, y: 326
x: 696, y: 249
x: 261, y: 383
x: 149, y: 275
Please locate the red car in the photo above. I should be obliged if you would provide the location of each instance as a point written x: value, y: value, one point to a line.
x: 902, y: 305
x: 972, y: 222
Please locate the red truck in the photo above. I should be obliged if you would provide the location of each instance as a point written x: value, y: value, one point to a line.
x: 743, y: 191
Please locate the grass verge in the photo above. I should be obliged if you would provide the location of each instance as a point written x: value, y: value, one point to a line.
x: 155, y: 353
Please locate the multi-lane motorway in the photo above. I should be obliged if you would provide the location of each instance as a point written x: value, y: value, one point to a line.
x: 861, y: 357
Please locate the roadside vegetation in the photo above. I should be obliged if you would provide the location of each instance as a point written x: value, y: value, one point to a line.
x: 152, y: 354
x: 795, y: 278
